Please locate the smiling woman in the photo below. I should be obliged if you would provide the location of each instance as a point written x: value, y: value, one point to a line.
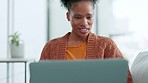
x: 81, y: 43
x: 80, y: 16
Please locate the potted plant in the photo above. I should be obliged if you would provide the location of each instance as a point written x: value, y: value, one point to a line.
x: 16, y: 46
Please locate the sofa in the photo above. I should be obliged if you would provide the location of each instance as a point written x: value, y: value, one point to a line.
x: 139, y: 69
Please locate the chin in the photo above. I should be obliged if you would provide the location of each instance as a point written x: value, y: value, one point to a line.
x: 84, y: 34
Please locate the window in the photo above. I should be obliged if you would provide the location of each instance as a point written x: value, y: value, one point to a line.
x: 134, y: 15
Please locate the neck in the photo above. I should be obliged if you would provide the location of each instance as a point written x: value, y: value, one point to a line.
x: 76, y: 40
x: 73, y: 37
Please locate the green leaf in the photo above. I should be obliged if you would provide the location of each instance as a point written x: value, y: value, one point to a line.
x: 15, y: 38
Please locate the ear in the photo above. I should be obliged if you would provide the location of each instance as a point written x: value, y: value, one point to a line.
x: 68, y: 16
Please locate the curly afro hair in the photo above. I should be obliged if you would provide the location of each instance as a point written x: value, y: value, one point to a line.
x: 68, y: 3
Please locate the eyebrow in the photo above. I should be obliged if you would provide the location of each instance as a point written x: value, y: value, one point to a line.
x: 81, y: 15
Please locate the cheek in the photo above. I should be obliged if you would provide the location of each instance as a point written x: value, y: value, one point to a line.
x: 91, y: 22
x: 74, y: 23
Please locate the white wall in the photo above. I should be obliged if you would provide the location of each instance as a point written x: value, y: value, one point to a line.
x: 126, y: 21
x: 58, y: 22
x: 3, y: 28
x: 31, y: 21
x: 29, y: 17
x: 3, y: 38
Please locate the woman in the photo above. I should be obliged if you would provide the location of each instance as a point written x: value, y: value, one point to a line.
x: 80, y: 43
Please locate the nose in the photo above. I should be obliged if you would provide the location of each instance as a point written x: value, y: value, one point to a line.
x: 84, y: 22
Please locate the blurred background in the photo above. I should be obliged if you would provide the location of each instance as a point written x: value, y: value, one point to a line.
x: 125, y: 21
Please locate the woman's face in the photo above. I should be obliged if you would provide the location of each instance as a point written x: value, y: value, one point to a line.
x: 80, y: 16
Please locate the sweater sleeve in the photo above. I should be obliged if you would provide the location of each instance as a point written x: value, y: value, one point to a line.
x: 45, y: 52
x: 112, y: 51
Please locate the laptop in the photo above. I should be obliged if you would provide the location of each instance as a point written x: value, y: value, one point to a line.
x: 79, y: 71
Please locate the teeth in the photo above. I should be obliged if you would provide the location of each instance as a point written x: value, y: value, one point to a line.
x: 83, y: 30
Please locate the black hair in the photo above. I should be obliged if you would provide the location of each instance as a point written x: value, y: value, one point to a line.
x: 68, y: 3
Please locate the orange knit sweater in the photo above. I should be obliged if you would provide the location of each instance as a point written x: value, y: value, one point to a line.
x: 98, y: 47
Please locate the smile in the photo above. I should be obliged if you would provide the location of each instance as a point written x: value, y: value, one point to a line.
x: 84, y: 30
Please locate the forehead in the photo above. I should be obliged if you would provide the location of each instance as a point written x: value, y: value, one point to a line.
x: 85, y: 7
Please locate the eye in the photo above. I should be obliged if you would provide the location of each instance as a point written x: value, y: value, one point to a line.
x: 89, y: 17
x: 77, y: 17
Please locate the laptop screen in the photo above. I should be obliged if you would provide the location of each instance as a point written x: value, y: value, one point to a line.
x: 79, y: 71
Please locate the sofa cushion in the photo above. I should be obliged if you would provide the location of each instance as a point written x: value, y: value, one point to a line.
x: 139, y: 69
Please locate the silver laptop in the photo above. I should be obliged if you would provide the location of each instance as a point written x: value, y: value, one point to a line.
x: 80, y: 71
